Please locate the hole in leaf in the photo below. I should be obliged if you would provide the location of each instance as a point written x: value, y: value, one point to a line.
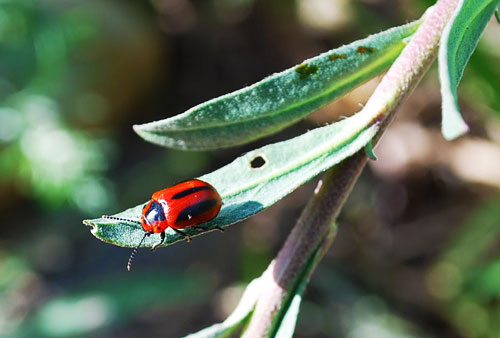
x: 257, y: 162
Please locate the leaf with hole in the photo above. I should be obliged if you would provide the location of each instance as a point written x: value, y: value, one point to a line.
x: 458, y: 42
x: 280, y: 99
x: 257, y: 179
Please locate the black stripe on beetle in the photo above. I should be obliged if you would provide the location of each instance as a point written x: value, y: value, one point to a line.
x: 195, y: 210
x: 190, y: 191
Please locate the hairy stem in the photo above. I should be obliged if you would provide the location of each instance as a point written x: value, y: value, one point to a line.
x: 315, y: 230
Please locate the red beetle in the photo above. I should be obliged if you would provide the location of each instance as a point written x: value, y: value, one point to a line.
x: 185, y: 205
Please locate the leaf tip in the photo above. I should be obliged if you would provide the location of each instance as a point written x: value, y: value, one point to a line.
x: 451, y: 129
x: 369, y: 151
x: 139, y: 129
x: 144, y: 132
x: 453, y: 124
x: 90, y: 223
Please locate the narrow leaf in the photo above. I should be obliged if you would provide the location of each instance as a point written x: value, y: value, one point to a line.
x: 287, y: 327
x: 458, y: 42
x: 286, y: 317
x: 247, y: 186
x: 237, y: 318
x: 280, y: 99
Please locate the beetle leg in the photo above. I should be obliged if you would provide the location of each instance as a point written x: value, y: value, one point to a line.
x: 162, y: 239
x: 186, y: 236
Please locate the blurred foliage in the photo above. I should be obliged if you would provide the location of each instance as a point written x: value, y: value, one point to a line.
x: 466, y: 279
x: 417, y: 253
x: 58, y: 69
x: 104, y: 304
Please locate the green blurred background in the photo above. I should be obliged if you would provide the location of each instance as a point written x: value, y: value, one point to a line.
x: 417, y: 253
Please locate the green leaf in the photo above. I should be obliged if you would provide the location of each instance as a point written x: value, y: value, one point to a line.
x: 285, y: 318
x: 237, y: 318
x: 280, y: 99
x: 369, y: 151
x: 247, y: 189
x: 459, y: 40
x: 287, y: 327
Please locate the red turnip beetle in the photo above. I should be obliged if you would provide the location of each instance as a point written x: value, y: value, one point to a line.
x: 185, y: 205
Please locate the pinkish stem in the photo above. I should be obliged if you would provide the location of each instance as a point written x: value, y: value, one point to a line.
x: 315, y: 228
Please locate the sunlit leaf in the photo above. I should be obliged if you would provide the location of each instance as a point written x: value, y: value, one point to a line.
x: 458, y: 42
x: 287, y: 327
x: 285, y: 317
x: 280, y: 99
x: 237, y: 318
x: 247, y: 188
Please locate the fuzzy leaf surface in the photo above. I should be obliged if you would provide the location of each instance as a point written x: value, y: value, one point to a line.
x: 458, y: 42
x: 237, y: 318
x: 280, y: 99
x: 246, y: 190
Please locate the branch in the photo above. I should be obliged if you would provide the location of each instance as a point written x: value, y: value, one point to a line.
x: 314, y: 231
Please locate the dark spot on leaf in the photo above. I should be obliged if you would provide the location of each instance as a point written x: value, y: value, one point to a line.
x: 257, y: 162
x: 334, y: 57
x: 305, y: 70
x: 363, y: 49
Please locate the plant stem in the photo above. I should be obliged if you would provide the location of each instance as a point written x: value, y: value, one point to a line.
x: 314, y: 231
x: 314, y: 227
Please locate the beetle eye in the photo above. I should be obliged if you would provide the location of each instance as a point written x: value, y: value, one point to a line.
x: 155, y: 213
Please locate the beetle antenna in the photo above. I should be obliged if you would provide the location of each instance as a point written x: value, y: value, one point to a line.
x: 132, y: 255
x: 121, y: 219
